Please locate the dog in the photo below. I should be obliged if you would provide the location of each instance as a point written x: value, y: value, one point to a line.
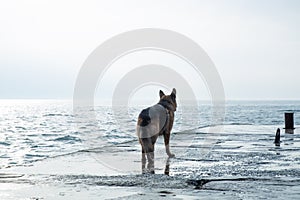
x: 155, y: 121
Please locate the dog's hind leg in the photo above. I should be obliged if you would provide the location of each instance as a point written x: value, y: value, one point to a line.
x: 147, y: 151
x: 143, y: 161
x: 150, y: 166
x: 150, y: 158
x: 143, y: 153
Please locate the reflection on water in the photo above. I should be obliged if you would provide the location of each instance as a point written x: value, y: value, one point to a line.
x: 167, y: 168
x: 151, y: 167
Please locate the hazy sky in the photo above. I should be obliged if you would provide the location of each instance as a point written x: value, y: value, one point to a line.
x: 254, y: 44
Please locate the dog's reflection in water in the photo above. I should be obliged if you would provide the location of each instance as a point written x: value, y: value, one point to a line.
x: 150, y: 167
x: 167, y: 168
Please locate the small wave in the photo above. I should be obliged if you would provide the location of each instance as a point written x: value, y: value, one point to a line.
x: 238, y: 124
x: 49, y: 134
x: 68, y: 138
x: 42, y: 146
x: 20, y: 127
x: 6, y: 175
x: 35, y: 156
x: 52, y: 115
x: 4, y: 156
x: 113, y: 135
x: 4, y: 143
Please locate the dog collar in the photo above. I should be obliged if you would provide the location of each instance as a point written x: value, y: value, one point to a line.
x: 166, y: 106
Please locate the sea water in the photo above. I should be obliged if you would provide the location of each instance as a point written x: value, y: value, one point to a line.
x: 238, y: 158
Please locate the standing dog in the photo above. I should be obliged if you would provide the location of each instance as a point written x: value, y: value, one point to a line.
x: 154, y: 121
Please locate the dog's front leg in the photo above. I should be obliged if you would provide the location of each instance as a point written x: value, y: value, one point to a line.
x: 167, y: 140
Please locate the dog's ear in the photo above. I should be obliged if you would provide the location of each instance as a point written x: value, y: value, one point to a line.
x: 161, y: 94
x: 174, y: 91
x: 173, y: 94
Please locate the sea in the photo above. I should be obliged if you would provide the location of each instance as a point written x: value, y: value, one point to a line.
x: 49, y: 151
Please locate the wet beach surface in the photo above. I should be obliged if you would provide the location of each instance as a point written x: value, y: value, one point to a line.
x: 241, y: 162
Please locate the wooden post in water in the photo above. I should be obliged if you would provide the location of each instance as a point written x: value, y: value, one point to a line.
x: 289, y: 122
x: 277, y: 138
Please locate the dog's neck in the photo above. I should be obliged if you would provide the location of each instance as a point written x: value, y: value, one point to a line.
x: 169, y: 107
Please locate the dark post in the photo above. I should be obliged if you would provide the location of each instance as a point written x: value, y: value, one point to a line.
x: 277, y: 138
x: 289, y: 122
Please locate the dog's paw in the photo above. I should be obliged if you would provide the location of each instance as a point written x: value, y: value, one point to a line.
x: 171, y: 155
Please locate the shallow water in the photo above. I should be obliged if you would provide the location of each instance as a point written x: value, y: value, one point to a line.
x: 42, y: 143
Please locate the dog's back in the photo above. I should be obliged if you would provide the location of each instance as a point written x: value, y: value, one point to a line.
x: 151, y: 121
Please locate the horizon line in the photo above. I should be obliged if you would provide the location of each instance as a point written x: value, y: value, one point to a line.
x: 106, y: 100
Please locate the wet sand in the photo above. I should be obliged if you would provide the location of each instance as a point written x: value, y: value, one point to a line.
x: 241, y: 162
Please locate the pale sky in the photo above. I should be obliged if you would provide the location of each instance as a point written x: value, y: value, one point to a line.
x: 255, y: 44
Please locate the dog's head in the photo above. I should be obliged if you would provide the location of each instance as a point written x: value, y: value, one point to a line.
x: 169, y: 101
